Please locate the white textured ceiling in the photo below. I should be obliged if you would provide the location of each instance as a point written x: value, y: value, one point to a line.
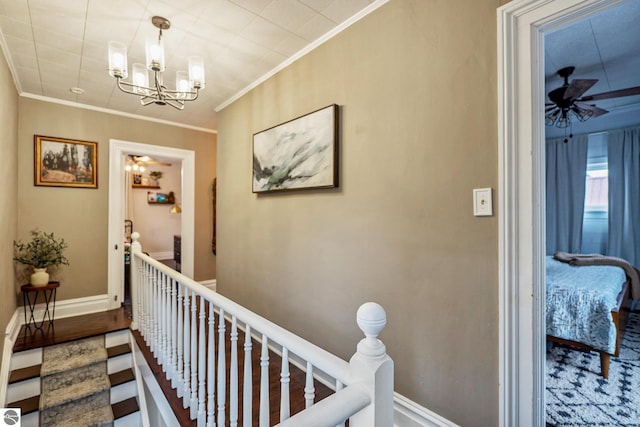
x: 54, y: 45
x: 603, y: 46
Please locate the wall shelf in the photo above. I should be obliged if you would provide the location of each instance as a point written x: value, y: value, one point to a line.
x: 160, y: 203
x: 144, y: 186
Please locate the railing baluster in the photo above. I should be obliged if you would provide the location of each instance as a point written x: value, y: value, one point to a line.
x: 162, y: 286
x: 247, y: 388
x: 285, y: 411
x: 211, y: 368
x: 233, y: 385
x: 309, y: 389
x: 179, y: 383
x: 202, y: 369
x: 155, y: 335
x: 193, y: 405
x: 222, y: 369
x: 187, y: 352
x: 146, y: 298
x: 264, y: 382
x: 172, y: 337
x: 339, y: 386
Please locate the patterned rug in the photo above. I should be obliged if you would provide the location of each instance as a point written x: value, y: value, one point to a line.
x: 577, y: 395
x: 75, y: 385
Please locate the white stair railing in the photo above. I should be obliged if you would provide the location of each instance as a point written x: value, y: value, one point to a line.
x: 177, y: 317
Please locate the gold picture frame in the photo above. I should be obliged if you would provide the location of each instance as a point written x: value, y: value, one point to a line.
x: 61, y: 162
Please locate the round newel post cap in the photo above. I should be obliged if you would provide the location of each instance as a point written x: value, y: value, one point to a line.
x: 371, y: 319
x: 135, y: 236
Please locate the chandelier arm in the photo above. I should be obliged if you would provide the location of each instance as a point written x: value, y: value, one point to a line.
x: 124, y: 86
x: 186, y: 96
x: 175, y: 103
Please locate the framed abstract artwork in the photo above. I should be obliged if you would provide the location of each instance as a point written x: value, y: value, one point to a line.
x: 299, y: 154
x: 60, y: 162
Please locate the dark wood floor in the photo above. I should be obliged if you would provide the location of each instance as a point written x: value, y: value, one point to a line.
x: 72, y: 328
x: 69, y: 329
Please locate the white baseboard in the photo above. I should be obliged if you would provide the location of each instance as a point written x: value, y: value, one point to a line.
x: 407, y: 413
x: 161, y: 255
x: 211, y: 284
x: 69, y: 308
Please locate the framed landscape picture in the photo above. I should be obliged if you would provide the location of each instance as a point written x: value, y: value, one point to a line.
x: 299, y: 154
x: 60, y: 162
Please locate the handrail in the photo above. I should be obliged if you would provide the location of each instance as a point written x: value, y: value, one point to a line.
x: 332, y: 410
x: 319, y: 357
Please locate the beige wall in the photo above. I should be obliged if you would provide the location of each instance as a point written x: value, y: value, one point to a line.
x: 81, y: 215
x: 9, y: 193
x: 155, y: 221
x: 416, y: 82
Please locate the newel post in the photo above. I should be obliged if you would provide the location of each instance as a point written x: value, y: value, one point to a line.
x: 136, y: 247
x: 371, y: 367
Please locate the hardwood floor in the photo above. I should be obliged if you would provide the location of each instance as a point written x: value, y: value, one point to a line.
x: 72, y: 328
x: 69, y: 329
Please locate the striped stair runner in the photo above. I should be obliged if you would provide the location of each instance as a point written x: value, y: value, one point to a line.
x: 75, y: 388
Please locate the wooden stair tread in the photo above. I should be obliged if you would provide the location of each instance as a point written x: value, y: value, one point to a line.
x: 28, y: 405
x: 118, y: 350
x: 24, y: 374
x: 121, y: 377
x: 124, y: 408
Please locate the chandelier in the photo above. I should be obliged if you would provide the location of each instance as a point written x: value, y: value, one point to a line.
x: 187, y: 84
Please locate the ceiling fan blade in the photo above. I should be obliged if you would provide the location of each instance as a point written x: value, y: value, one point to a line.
x: 578, y: 87
x: 156, y: 162
x: 595, y: 110
x: 612, y: 94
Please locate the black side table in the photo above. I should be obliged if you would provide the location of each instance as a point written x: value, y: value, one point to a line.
x: 49, y: 295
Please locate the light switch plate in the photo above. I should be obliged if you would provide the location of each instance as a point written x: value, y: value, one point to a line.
x: 482, y: 202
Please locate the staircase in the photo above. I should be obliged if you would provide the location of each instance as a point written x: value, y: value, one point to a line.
x: 88, y: 382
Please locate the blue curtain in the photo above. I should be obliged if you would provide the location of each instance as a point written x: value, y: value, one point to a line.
x: 566, y: 175
x: 624, y: 194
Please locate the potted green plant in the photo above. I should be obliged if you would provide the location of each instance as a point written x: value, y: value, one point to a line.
x: 155, y: 176
x: 41, y: 252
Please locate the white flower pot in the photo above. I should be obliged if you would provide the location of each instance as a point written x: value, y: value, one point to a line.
x: 40, y: 277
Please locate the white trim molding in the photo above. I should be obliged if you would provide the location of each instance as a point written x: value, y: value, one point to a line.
x: 65, y: 308
x: 117, y: 150
x: 521, y: 98
x: 407, y: 413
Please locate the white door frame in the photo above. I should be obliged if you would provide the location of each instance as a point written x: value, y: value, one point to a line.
x: 118, y: 149
x: 521, y: 99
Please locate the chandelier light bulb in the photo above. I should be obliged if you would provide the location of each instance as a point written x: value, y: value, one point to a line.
x: 117, y: 60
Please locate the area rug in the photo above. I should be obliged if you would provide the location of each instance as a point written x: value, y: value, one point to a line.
x: 75, y: 385
x: 577, y: 395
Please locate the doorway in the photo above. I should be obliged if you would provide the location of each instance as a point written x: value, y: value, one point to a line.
x: 521, y: 102
x: 118, y: 150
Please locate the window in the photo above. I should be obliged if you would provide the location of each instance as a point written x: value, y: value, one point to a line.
x: 596, y: 219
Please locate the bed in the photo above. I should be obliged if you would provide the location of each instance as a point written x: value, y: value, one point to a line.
x: 587, y: 306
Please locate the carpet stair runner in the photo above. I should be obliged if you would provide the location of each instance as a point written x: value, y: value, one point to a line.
x: 75, y: 387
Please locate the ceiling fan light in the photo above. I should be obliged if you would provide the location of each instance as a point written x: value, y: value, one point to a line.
x: 563, y: 122
x: 582, y: 114
x: 117, y: 60
x: 551, y: 117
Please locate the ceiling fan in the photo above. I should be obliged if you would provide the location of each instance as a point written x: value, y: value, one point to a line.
x: 567, y: 102
x: 139, y: 163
